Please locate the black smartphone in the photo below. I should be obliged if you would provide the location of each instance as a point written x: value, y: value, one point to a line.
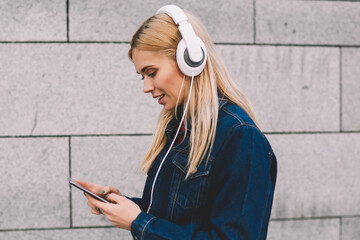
x: 72, y: 182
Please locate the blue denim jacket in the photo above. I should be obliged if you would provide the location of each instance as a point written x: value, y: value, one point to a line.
x: 230, y: 195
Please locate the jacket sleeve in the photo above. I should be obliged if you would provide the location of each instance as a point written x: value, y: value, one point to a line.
x: 134, y: 199
x: 244, y: 174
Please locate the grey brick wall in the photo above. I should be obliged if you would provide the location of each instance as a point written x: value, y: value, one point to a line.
x: 71, y: 105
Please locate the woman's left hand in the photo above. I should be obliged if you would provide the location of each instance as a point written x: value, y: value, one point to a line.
x: 121, y: 212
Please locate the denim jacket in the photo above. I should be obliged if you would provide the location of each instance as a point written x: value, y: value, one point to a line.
x: 229, y: 196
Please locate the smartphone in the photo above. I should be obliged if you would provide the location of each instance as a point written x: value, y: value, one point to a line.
x: 72, y: 182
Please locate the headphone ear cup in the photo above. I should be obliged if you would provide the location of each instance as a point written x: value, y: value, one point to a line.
x: 188, y: 67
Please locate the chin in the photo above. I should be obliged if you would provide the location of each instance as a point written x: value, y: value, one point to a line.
x: 169, y: 108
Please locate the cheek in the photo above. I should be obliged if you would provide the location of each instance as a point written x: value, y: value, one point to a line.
x: 175, y: 86
x: 168, y: 84
x: 170, y: 79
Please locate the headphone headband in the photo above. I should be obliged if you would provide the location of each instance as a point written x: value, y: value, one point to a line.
x: 174, y: 12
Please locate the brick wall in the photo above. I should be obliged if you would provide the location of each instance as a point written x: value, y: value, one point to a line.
x: 71, y: 105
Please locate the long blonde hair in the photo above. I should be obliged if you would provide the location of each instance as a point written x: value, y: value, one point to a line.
x: 160, y: 34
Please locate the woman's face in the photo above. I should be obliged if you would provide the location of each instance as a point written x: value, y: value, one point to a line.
x: 162, y: 77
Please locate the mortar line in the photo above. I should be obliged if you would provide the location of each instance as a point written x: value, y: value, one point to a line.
x: 53, y: 228
x: 254, y: 20
x: 216, y: 43
x: 70, y: 193
x: 65, y: 42
x: 311, y: 132
x: 67, y: 21
x: 287, y: 45
x: 79, y: 135
x: 340, y: 88
x: 149, y: 134
x: 340, y: 228
x: 314, y: 218
x: 333, y: 0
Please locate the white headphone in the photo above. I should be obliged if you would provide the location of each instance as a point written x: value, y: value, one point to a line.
x: 191, y: 52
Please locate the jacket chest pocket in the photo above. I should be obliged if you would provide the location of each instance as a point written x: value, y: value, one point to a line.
x: 192, y: 192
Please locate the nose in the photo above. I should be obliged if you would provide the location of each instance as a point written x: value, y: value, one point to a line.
x: 148, y: 85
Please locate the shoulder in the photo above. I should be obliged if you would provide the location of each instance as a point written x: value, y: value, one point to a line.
x: 239, y: 143
x: 235, y: 127
x: 232, y: 116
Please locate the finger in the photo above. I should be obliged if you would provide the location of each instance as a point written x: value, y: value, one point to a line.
x: 112, y: 197
x: 90, y: 204
x: 85, y: 184
x: 93, y: 202
x: 93, y: 211
x: 98, y: 210
x: 104, y: 208
x: 105, y: 190
x: 95, y: 188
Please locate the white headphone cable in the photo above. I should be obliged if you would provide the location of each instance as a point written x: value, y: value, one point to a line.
x: 177, y: 132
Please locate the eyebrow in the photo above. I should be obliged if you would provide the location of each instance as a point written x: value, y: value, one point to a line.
x: 144, y: 68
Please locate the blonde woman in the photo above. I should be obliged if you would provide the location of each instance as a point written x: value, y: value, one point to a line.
x: 215, y: 178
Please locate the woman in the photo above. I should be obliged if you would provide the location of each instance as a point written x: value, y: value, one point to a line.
x: 216, y: 178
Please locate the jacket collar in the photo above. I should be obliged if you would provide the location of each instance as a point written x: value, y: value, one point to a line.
x: 222, y: 100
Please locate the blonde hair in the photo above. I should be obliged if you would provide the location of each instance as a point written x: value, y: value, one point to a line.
x: 160, y: 34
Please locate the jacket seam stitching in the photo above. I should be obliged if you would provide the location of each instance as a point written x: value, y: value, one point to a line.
x: 229, y: 134
x: 265, y: 206
x: 143, y: 230
x: 234, y: 115
x: 177, y: 187
x: 247, y: 186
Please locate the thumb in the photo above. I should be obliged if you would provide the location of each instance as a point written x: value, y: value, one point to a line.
x: 114, y: 198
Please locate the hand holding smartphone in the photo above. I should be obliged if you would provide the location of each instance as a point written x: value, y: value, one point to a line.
x: 72, y: 182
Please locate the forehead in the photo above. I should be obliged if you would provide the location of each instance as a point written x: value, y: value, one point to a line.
x: 142, y: 59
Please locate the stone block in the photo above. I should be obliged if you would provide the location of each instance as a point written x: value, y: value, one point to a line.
x: 291, y: 88
x: 318, y: 175
x: 72, y: 89
x: 113, y: 161
x: 66, y: 234
x: 350, y: 89
x: 33, y: 20
x: 314, y: 229
x: 95, y: 20
x: 307, y: 22
x: 350, y: 228
x: 34, y: 191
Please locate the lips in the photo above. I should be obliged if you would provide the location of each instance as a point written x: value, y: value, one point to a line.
x: 159, y: 98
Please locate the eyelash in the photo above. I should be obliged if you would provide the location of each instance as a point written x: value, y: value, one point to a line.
x: 150, y: 75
